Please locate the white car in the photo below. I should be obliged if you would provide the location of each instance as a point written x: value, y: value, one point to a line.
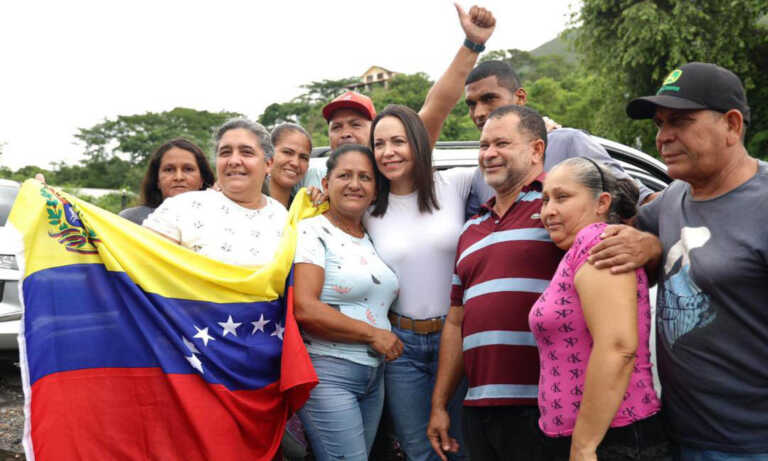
x: 10, y: 307
x: 637, y: 164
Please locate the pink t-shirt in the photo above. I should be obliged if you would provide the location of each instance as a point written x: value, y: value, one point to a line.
x: 565, y: 344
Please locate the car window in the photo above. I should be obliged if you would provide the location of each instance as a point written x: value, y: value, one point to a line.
x: 7, y: 196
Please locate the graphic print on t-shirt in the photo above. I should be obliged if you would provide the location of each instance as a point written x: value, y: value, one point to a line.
x: 686, y: 307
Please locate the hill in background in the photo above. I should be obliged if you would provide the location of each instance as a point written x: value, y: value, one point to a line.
x: 560, y: 46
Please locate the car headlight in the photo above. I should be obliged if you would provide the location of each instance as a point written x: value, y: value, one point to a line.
x: 8, y: 262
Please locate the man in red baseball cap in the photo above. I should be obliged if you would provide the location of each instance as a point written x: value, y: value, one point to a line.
x: 349, y: 119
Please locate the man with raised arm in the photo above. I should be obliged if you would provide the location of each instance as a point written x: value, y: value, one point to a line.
x: 494, y: 84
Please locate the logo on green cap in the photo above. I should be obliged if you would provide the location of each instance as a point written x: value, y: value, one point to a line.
x: 672, y: 77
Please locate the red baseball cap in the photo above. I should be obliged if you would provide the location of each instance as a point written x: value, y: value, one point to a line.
x: 350, y: 100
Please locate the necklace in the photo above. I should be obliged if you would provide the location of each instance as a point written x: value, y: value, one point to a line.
x: 338, y: 222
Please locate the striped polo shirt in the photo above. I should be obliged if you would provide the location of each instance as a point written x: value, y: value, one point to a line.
x: 502, y: 266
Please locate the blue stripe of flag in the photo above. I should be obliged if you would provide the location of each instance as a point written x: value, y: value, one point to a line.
x: 83, y: 316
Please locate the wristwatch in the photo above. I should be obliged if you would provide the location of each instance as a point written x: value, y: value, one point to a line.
x: 476, y: 47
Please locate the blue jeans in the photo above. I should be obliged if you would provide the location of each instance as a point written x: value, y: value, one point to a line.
x: 409, y: 383
x: 692, y: 454
x: 343, y: 411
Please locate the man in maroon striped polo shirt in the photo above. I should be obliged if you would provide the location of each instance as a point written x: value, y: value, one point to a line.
x: 504, y: 261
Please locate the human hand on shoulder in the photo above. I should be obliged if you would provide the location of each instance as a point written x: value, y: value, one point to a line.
x: 316, y: 195
x: 624, y: 249
x: 478, y: 24
x: 551, y: 125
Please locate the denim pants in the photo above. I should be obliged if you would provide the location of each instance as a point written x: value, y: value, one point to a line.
x: 683, y: 453
x: 409, y: 383
x: 343, y: 411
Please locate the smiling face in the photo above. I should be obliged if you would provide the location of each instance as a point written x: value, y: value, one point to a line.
x: 351, y: 185
x: 508, y: 155
x: 393, y: 151
x: 178, y: 173
x: 291, y: 159
x: 348, y: 126
x: 692, y: 143
x: 568, y: 206
x: 241, y: 165
x: 485, y: 95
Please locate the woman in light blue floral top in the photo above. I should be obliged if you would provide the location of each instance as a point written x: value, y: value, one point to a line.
x: 343, y: 293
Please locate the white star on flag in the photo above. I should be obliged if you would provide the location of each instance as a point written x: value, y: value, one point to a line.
x: 278, y: 331
x: 196, y: 363
x: 229, y: 326
x: 258, y: 325
x: 203, y: 334
x: 190, y: 345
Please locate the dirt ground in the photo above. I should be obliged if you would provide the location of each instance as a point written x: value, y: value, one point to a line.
x: 11, y: 412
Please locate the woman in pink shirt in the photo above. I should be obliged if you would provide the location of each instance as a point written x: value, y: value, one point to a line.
x: 596, y: 394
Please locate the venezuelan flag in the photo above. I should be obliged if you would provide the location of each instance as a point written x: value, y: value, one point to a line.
x: 134, y: 348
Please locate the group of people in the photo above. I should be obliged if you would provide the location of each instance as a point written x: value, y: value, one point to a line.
x: 503, y: 312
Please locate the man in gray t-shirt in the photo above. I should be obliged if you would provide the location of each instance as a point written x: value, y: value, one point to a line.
x: 712, y: 319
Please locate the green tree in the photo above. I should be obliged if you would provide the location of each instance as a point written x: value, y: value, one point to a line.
x: 406, y: 89
x: 326, y: 90
x: 306, y: 109
x: 138, y: 136
x: 411, y: 90
x: 631, y: 45
x: 522, y: 61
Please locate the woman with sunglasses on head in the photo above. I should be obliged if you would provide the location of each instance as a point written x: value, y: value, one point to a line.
x: 596, y: 395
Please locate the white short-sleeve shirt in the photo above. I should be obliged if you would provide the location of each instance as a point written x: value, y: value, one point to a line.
x: 421, y: 247
x: 357, y: 283
x: 209, y: 223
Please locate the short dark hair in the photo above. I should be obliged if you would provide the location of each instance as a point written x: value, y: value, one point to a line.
x: 421, y: 149
x: 336, y: 154
x: 151, y: 195
x: 284, y: 128
x: 503, y: 72
x: 530, y: 121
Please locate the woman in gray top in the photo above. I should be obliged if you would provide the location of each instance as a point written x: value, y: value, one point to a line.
x: 175, y: 167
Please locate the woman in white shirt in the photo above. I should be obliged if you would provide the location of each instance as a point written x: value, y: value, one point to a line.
x: 238, y: 225
x: 415, y: 226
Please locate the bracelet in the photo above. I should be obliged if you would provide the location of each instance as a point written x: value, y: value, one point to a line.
x: 476, y: 47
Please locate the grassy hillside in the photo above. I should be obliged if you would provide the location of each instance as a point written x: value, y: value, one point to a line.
x: 556, y: 46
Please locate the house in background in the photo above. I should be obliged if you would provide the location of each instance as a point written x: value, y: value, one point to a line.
x: 372, y: 77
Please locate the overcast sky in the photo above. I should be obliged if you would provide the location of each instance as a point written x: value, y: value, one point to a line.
x: 71, y: 64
